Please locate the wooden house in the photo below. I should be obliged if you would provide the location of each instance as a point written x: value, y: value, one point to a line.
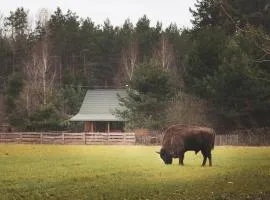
x: 97, y: 111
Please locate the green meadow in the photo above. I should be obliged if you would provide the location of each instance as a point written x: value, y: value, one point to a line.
x: 130, y: 172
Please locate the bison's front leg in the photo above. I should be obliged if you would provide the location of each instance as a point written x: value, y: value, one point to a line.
x: 181, y: 158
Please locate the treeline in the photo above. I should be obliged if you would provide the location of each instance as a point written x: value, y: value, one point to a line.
x: 46, y: 68
x: 217, y: 72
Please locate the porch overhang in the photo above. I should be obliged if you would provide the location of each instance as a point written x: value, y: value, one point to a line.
x: 96, y: 118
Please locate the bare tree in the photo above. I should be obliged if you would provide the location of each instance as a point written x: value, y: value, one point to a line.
x: 43, y: 16
x: 187, y: 109
x: 130, y: 57
x: 164, y: 53
x: 40, y: 76
x: 39, y: 68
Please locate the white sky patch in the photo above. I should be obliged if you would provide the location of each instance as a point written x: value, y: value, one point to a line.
x: 175, y: 11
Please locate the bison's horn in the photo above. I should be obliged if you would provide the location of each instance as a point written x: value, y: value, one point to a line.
x: 157, y: 152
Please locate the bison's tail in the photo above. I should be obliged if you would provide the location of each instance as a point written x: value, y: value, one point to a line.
x: 213, y: 140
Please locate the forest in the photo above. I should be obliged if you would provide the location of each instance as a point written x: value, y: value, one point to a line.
x: 216, y: 73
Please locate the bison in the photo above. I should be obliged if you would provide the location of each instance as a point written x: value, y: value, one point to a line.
x: 180, y: 138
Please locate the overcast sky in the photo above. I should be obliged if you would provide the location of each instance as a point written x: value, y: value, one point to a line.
x: 116, y: 10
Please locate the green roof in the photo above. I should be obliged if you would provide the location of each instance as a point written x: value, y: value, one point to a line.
x: 99, y: 105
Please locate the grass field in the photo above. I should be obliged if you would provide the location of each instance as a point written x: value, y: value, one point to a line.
x: 130, y: 172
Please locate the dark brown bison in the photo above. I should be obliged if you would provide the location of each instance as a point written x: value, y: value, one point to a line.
x: 180, y: 138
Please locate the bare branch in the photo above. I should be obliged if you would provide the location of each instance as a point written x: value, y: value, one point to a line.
x: 261, y: 61
x: 229, y: 16
x: 257, y: 78
x: 263, y: 36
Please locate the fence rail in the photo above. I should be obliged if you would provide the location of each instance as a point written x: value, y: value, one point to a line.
x: 220, y: 140
x: 67, y: 138
x: 122, y: 138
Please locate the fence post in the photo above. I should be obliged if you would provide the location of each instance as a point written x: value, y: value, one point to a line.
x: 20, y: 137
x: 41, y: 138
x: 84, y: 138
x: 63, y: 138
x: 124, y: 135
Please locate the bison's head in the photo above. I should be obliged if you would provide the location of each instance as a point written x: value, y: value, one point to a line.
x: 165, y: 156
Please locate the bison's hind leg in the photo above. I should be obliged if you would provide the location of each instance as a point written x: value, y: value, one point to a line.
x: 210, y: 159
x: 207, y: 154
x: 204, y: 160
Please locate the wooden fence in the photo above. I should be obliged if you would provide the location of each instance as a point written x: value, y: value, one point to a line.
x: 243, y: 140
x: 67, y: 138
x: 122, y: 138
x: 220, y: 140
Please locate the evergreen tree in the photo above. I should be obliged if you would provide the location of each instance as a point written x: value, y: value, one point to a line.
x: 17, y: 25
x: 228, y: 59
x: 147, y: 38
x: 231, y: 14
x: 12, y: 92
x: 149, y: 93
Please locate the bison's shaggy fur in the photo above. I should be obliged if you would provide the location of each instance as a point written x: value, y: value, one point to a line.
x: 180, y: 138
